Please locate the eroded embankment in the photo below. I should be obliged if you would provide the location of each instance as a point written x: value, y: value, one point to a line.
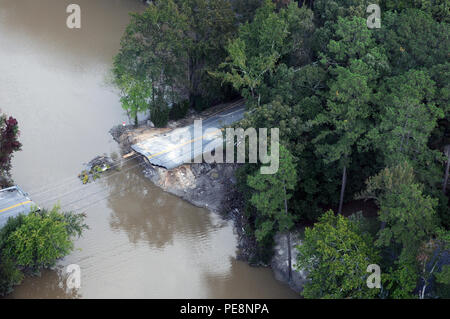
x: 203, y: 185
x: 210, y: 186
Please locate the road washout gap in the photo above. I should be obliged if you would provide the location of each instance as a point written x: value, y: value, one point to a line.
x: 181, y: 145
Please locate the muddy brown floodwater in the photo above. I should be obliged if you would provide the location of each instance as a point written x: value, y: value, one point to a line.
x: 142, y: 242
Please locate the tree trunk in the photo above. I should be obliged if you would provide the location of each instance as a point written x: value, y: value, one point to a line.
x: 136, y: 120
x: 288, y: 236
x: 447, y: 151
x: 129, y: 116
x: 422, y: 294
x: 344, y: 183
x: 252, y: 92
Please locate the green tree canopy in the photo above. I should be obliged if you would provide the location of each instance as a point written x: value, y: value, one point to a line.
x: 256, y: 51
x: 42, y: 238
x: 272, y: 193
x: 413, y: 40
x: 439, y: 9
x: 409, y: 215
x: 153, y: 57
x: 409, y: 220
x: 407, y: 117
x: 136, y: 96
x: 30, y: 243
x: 174, y: 44
x: 330, y: 10
x: 211, y: 24
x: 335, y: 253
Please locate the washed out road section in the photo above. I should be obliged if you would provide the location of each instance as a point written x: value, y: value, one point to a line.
x: 182, y: 145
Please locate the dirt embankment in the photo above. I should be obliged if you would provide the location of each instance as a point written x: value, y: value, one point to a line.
x: 203, y: 185
x: 210, y: 186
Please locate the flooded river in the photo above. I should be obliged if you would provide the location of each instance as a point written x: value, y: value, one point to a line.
x: 142, y: 242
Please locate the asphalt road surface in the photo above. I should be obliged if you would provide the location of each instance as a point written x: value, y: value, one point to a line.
x: 183, y: 144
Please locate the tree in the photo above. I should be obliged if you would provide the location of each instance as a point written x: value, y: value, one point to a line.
x: 174, y: 44
x: 336, y: 254
x: 329, y: 10
x: 9, y: 143
x: 211, y: 25
x: 271, y: 199
x: 153, y: 52
x: 160, y: 112
x: 346, y: 118
x: 440, y: 136
x: 354, y: 63
x: 438, y: 8
x: 408, y: 221
x: 136, y: 96
x: 30, y: 243
x: 40, y: 238
x: 408, y: 214
x: 413, y: 40
x: 416, y: 44
x: 255, y: 52
x: 407, y: 118
x: 300, y: 21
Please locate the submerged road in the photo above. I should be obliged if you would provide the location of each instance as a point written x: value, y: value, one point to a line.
x: 13, y: 202
x: 181, y: 145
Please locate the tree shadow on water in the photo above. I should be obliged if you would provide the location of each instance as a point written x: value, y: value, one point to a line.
x: 50, y: 284
x: 148, y: 214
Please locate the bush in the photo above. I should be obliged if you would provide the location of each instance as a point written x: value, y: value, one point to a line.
x: 39, y: 242
x: 179, y: 110
x: 35, y: 241
x: 42, y: 238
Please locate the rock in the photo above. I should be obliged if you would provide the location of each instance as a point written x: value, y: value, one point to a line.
x: 201, y: 184
x: 150, y: 124
x: 280, y: 263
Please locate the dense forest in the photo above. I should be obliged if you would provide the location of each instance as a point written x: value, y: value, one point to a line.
x: 363, y: 115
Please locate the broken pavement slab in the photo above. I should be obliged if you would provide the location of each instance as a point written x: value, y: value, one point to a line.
x: 172, y: 149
